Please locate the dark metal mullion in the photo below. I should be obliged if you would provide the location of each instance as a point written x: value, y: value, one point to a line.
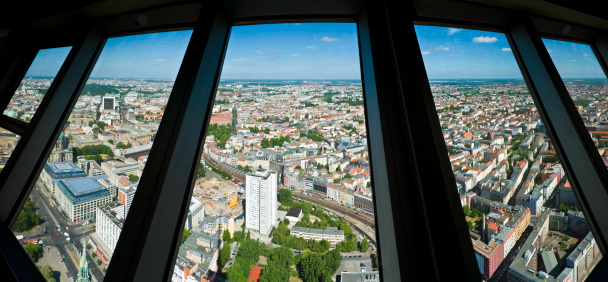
x: 35, y: 145
x: 439, y: 194
x: 157, y: 216
x: 600, y: 49
x: 582, y: 164
x: 177, y: 187
x: 390, y: 230
x: 15, y: 264
x: 15, y: 59
x: 16, y: 126
x: 30, y: 155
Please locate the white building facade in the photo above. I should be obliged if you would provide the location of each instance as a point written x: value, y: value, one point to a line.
x: 261, y: 201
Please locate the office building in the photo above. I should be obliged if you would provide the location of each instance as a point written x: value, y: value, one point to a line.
x: 55, y: 171
x: 109, y: 103
x: 79, y: 197
x: 261, y: 195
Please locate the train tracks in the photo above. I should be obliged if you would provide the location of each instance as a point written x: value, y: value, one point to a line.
x: 341, y: 209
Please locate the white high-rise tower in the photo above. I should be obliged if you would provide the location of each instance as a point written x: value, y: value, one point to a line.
x: 261, y: 201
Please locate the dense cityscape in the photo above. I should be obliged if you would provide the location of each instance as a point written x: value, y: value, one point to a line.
x: 284, y: 187
x: 283, y: 190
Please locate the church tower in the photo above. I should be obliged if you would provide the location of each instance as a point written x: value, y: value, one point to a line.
x: 83, y: 269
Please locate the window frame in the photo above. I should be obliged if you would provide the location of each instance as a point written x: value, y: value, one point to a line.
x: 411, y: 222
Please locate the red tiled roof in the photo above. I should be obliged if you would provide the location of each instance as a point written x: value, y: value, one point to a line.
x: 255, y: 273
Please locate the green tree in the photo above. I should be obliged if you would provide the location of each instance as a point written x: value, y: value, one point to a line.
x: 331, y: 261
x: 467, y: 210
x: 201, y: 172
x: 285, y: 196
x: 265, y: 143
x: 240, y: 167
x: 298, y: 167
x: 28, y: 218
x: 47, y: 272
x: 312, y: 266
x: 33, y: 250
x: 226, y: 236
x: 98, y: 261
x: 364, y: 245
x: 185, y: 235
x: 286, y: 221
x: 247, y: 169
x: 239, y: 236
x: 133, y: 178
x: 224, y: 255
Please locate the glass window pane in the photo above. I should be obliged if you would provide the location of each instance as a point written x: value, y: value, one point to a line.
x: 587, y: 86
x: 285, y: 161
x: 86, y: 187
x: 523, y: 218
x: 36, y: 82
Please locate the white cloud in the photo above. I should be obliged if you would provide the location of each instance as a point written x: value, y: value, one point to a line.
x: 442, y: 48
x: 506, y: 49
x: 426, y: 52
x: 259, y: 52
x: 159, y: 60
x: 585, y: 55
x: 550, y: 50
x: 572, y: 61
x: 485, y: 39
x: 452, y: 30
x: 240, y: 60
x: 311, y: 47
x: 328, y: 39
x: 295, y: 55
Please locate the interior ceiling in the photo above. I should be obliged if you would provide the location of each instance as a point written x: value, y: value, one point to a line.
x: 49, y: 14
x: 583, y: 12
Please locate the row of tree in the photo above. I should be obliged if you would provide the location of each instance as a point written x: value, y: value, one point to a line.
x: 93, y: 150
x: 273, y: 142
x: 221, y: 173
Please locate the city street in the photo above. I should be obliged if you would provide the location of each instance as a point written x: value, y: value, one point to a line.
x: 56, y: 224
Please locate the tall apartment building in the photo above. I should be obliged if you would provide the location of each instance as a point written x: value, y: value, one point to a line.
x: 109, y: 221
x: 261, y: 196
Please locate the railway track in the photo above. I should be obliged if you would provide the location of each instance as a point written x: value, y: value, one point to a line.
x: 341, y: 209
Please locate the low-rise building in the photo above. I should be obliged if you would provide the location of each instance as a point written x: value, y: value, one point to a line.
x: 331, y: 234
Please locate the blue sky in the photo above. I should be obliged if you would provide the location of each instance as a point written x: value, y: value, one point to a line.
x: 319, y: 51
x: 293, y: 51
x: 154, y: 55
x: 574, y: 60
x: 452, y: 53
x: 48, y: 62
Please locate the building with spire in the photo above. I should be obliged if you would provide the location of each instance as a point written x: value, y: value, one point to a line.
x: 83, y: 269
